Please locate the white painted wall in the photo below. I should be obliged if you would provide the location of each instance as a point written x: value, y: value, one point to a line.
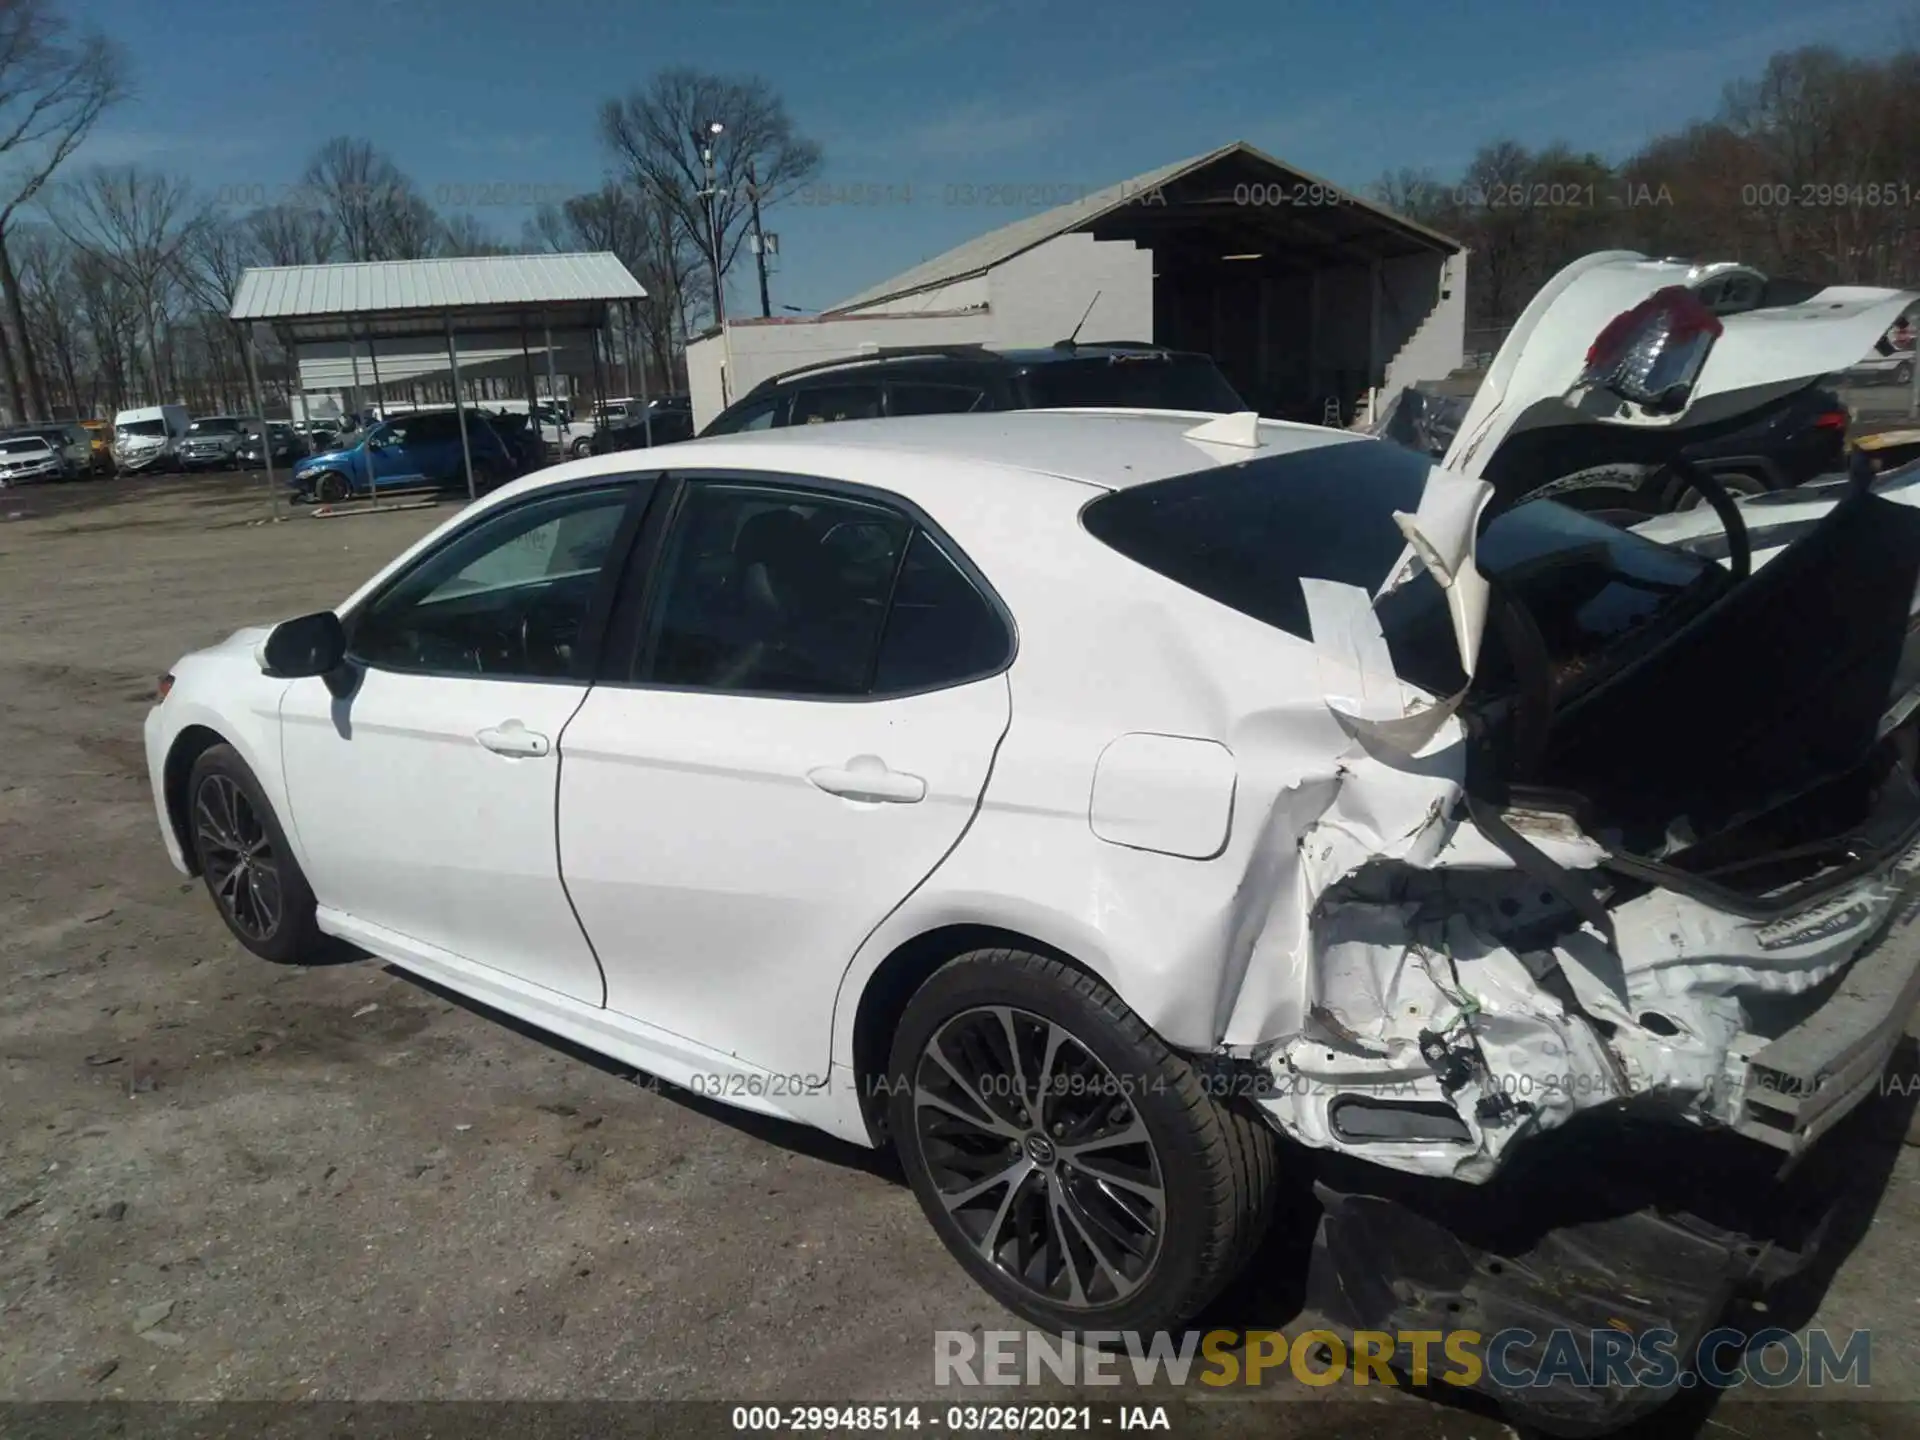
x: 968, y: 294
x: 1033, y: 299
x: 1038, y: 297
x: 1435, y: 288
x: 704, y: 367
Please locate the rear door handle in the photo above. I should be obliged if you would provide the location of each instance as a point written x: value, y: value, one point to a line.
x: 512, y: 738
x: 866, y: 777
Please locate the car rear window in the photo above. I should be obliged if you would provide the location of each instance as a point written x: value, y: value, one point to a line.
x: 828, y: 403
x: 1246, y: 535
x: 1149, y: 381
x: 913, y: 398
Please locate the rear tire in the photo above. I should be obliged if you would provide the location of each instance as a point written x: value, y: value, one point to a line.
x: 1091, y: 1183
x: 1903, y: 373
x: 246, y: 863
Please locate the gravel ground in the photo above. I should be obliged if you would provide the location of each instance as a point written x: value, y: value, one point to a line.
x: 222, y: 1180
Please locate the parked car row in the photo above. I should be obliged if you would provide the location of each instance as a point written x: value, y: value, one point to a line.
x: 412, y: 451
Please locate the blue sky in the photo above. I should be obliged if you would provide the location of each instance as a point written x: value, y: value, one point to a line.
x: 922, y: 99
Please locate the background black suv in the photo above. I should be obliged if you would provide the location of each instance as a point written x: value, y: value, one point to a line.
x: 949, y: 380
x: 664, y: 420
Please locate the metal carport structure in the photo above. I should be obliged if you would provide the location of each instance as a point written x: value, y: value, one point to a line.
x: 412, y: 316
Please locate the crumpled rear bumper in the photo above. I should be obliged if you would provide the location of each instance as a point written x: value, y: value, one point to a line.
x: 1648, y: 1240
x: 1789, y: 1091
x: 1381, y: 1265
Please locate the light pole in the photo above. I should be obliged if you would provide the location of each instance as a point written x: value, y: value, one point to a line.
x: 759, y: 242
x: 711, y: 196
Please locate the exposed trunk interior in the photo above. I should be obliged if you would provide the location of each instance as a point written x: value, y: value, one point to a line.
x: 1739, y: 751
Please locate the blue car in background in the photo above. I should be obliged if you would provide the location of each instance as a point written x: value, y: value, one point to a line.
x: 409, y: 452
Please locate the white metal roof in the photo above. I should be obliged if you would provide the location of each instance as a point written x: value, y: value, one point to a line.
x: 291, y: 292
x: 983, y: 252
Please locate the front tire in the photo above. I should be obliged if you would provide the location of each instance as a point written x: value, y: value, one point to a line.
x: 582, y: 447
x: 249, y: 869
x: 1075, y: 1166
x: 330, y: 488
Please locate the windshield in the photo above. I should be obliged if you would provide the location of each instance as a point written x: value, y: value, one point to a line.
x: 1246, y: 535
x: 1146, y: 382
x: 144, y: 427
x: 23, y: 445
x: 214, y: 425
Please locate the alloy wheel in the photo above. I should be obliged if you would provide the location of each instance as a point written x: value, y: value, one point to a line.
x: 1039, y: 1157
x: 237, y: 854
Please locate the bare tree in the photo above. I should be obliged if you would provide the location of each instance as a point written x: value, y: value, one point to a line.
x: 644, y: 234
x: 293, y: 235
x: 50, y: 296
x: 463, y: 234
x: 215, y: 257
x: 655, y: 136
x: 414, y: 230
x: 376, y: 211
x: 54, y: 85
x: 137, y: 224
x: 646, y: 237
x: 1419, y: 195
x: 109, y: 320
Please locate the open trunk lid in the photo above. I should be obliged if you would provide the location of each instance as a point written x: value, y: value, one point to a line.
x: 1715, y: 341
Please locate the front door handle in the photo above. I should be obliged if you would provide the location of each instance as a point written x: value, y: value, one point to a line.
x: 512, y: 738
x: 866, y: 777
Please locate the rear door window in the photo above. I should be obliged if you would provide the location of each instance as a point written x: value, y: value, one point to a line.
x: 920, y: 399
x: 828, y: 403
x: 941, y: 630
x: 767, y: 414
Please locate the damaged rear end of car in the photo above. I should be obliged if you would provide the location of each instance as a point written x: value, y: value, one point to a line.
x: 1599, y: 920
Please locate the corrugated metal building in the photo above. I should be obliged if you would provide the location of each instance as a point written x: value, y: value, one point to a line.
x: 1307, y: 295
x: 394, y: 315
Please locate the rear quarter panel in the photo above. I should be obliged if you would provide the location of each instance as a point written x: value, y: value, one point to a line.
x: 1109, y: 648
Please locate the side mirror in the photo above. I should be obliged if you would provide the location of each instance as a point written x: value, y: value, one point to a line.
x: 311, y: 645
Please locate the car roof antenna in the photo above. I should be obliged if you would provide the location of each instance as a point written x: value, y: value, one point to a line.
x: 1067, y: 344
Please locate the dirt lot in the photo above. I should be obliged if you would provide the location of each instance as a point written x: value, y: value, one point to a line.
x: 223, y: 1180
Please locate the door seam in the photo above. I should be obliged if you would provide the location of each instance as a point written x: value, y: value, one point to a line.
x: 559, y: 858
x: 979, y: 804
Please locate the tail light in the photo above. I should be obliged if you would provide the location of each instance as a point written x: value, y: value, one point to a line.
x: 1651, y: 355
x: 1831, y: 420
x: 164, y: 688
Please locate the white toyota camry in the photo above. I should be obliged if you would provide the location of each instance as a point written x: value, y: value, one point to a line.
x: 1082, y: 802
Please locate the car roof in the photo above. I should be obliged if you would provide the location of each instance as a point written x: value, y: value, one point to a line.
x: 1108, y: 449
x: 957, y: 357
